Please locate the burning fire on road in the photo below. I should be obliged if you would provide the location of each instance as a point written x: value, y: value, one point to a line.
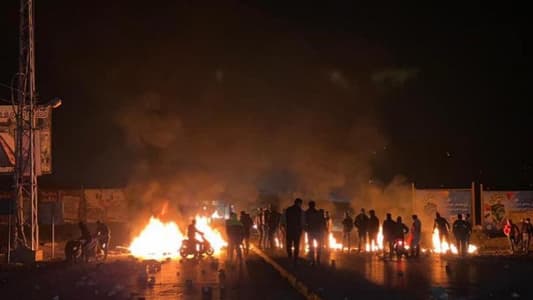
x: 160, y: 240
x: 445, y: 247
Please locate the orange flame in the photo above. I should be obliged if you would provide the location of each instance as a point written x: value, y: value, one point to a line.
x: 378, y: 246
x: 444, y: 246
x: 157, y: 240
x: 212, y: 235
x: 333, y: 242
x: 160, y: 240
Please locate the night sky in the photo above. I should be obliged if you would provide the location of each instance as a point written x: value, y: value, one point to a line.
x: 445, y: 87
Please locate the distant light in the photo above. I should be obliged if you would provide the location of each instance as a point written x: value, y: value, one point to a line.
x: 55, y: 102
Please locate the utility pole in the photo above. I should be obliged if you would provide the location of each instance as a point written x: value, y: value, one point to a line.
x: 25, y: 149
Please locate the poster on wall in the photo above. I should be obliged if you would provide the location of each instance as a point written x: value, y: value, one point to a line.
x: 498, y: 206
x: 107, y: 205
x: 70, y: 203
x: 447, y: 202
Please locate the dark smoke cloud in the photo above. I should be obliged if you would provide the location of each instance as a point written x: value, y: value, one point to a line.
x: 249, y: 116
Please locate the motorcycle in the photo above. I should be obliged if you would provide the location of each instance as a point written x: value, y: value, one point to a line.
x: 399, y: 248
x: 75, y: 250
x: 196, y: 248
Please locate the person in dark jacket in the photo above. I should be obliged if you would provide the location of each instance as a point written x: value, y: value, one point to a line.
x: 293, y: 223
x: 389, y: 228
x: 235, y: 233
x: 247, y: 224
x: 513, y: 234
x: 444, y: 228
x: 260, y: 224
x: 373, y: 229
x: 527, y: 231
x: 400, y: 230
x: 273, y: 226
x: 103, y: 234
x: 460, y: 232
x: 347, y: 227
x: 416, y: 235
x: 361, y: 223
x: 315, y: 227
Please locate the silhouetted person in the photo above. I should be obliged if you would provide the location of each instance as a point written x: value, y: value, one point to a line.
x: 191, y: 234
x: 389, y: 228
x: 513, y: 234
x: 85, y: 233
x: 400, y: 230
x: 315, y: 227
x: 260, y: 223
x: 327, y: 224
x: 247, y: 224
x: 373, y: 228
x: 347, y: 227
x: 443, y: 226
x: 267, y: 212
x: 416, y: 235
x: 460, y: 232
x: 527, y: 231
x: 294, y: 222
x: 470, y: 225
x: 235, y: 233
x: 103, y: 234
x: 361, y: 223
x: 273, y: 226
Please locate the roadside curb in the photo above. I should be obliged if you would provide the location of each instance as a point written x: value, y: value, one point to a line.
x: 293, y: 281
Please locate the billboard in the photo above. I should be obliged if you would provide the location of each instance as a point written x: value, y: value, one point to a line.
x: 107, y: 205
x: 498, y: 206
x: 43, y: 140
x: 447, y: 202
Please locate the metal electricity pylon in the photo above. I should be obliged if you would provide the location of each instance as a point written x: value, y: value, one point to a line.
x: 25, y: 149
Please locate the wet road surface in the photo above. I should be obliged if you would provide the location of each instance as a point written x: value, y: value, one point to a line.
x: 124, y: 278
x: 367, y: 276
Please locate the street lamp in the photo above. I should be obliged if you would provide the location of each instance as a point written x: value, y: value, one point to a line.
x: 54, y: 103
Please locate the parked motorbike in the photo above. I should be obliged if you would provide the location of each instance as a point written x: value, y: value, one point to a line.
x: 195, y: 248
x: 76, y: 251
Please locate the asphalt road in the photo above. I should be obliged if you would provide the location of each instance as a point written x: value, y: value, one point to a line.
x: 125, y: 278
x: 367, y: 276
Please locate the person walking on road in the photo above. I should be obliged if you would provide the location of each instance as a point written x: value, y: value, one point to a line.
x: 266, y: 225
x: 347, y: 227
x: 103, y: 234
x: 247, y: 224
x: 460, y: 232
x: 527, y: 231
x: 416, y: 234
x: 389, y: 228
x: 235, y: 233
x: 328, y: 224
x: 444, y: 228
x: 273, y: 227
x: 372, y: 228
x: 294, y: 222
x: 513, y: 234
x: 315, y: 227
x: 470, y: 225
x: 361, y: 223
x: 260, y: 224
